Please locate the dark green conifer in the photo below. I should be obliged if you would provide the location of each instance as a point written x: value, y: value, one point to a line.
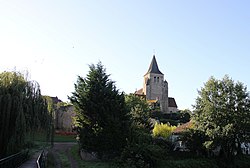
x: 101, y: 112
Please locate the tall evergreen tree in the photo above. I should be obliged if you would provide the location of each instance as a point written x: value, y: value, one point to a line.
x: 101, y: 112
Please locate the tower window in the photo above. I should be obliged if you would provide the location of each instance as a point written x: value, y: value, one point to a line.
x: 157, y: 79
x: 154, y: 79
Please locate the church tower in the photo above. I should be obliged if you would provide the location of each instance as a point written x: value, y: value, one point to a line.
x: 154, y: 85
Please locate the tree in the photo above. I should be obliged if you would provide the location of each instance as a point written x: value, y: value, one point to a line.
x: 194, y: 140
x: 22, y: 111
x: 222, y: 112
x: 101, y: 113
x: 139, y: 111
x: 141, y: 151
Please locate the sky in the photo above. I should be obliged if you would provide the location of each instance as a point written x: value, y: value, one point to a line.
x: 55, y: 41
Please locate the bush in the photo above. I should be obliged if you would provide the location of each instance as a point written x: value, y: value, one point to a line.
x: 188, y: 163
x: 143, y: 156
x: 166, y: 145
x: 141, y: 150
x: 163, y: 130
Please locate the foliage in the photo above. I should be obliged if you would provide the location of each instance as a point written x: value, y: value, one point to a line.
x: 64, y: 159
x: 139, y: 111
x: 142, y: 156
x: 52, y: 112
x: 141, y: 151
x: 164, y: 144
x: 180, y: 117
x: 163, y: 130
x: 22, y: 111
x: 188, y: 163
x: 50, y: 160
x: 242, y: 161
x: 90, y: 164
x: 101, y: 113
x: 222, y: 113
x: 194, y: 141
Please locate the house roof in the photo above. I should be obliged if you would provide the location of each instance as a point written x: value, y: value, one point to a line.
x: 171, y: 102
x: 139, y: 92
x: 152, y: 101
x: 56, y: 100
x: 183, y: 127
x: 153, y: 68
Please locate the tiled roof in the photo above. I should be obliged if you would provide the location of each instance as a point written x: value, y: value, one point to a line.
x: 171, y: 102
x: 139, y: 92
x: 153, y: 68
x: 152, y: 101
x: 183, y: 127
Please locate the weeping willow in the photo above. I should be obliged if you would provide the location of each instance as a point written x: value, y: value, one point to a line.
x: 23, y: 110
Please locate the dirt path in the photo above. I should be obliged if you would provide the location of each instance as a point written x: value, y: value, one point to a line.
x: 63, y: 148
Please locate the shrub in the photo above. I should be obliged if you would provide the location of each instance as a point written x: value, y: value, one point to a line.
x: 142, y: 156
x: 141, y: 150
x: 166, y: 145
x: 163, y: 130
x: 188, y: 163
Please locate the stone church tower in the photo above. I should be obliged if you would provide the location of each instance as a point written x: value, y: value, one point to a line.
x: 155, y: 87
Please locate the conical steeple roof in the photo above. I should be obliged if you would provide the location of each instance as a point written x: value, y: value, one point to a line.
x: 153, y: 68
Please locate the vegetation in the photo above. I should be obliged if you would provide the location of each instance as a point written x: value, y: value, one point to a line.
x: 163, y: 130
x: 139, y: 111
x: 189, y: 163
x: 90, y: 164
x: 121, y: 129
x: 180, y: 117
x: 101, y: 113
x: 64, y: 159
x: 22, y: 111
x: 222, y: 112
x: 64, y: 138
x: 141, y: 151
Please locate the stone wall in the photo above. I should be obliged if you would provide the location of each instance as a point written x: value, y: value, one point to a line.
x: 65, y: 118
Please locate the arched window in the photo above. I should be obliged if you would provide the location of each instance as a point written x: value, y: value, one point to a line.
x: 154, y: 79
x: 158, y: 80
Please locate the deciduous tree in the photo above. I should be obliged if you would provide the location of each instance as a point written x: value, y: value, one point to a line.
x: 222, y: 112
x: 22, y: 111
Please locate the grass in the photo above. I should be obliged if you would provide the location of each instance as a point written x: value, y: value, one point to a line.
x: 41, y: 137
x: 64, y: 138
x: 188, y: 163
x: 90, y: 164
x: 64, y: 160
x: 50, y: 160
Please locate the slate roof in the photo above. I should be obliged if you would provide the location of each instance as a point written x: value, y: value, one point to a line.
x: 171, y: 102
x: 153, y: 68
x: 56, y: 100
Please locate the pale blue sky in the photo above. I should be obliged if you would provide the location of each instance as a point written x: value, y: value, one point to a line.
x: 55, y: 40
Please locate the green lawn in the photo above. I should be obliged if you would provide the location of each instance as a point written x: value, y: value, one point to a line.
x: 41, y: 137
x: 64, y: 138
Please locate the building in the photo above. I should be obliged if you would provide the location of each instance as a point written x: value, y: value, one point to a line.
x: 155, y: 89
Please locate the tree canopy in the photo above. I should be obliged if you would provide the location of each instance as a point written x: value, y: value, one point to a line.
x: 222, y: 112
x: 22, y: 110
x: 138, y: 110
x: 101, y: 112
